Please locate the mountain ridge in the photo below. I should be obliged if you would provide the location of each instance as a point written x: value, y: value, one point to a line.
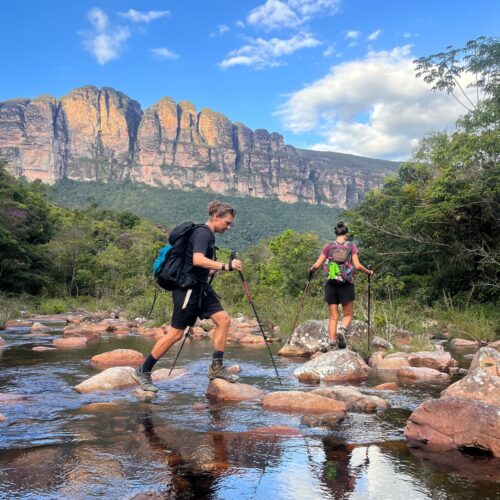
x: 103, y: 134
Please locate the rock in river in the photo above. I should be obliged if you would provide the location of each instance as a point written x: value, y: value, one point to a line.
x: 226, y: 391
x: 339, y: 366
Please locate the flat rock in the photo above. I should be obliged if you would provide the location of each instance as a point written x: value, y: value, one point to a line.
x: 38, y: 327
x: 9, y: 398
x: 151, y: 332
x: 487, y: 359
x: 277, y: 430
x: 18, y: 323
x: 463, y: 343
x: 117, y: 377
x: 388, y: 386
x: 302, y: 402
x: 306, y: 339
x: 253, y: 339
x: 70, y: 342
x: 85, y: 330
x: 42, y: 348
x: 163, y: 374
x: 438, y: 360
x: 478, y: 385
x: 380, y: 343
x: 354, y: 399
x: 338, y: 366
x: 379, y: 361
x: 227, y: 391
x: 423, y: 375
x: 455, y: 423
x: 119, y: 357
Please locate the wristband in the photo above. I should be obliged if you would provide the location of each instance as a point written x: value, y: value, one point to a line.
x: 223, y: 267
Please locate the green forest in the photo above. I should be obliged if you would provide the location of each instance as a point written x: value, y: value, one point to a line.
x: 431, y: 233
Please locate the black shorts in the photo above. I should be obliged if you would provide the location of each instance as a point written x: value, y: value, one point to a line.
x: 339, y: 293
x: 193, y: 303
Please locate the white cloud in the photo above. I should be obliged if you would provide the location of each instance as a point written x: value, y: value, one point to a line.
x: 329, y: 51
x: 374, y: 106
x: 278, y: 14
x: 352, y: 35
x: 373, y: 36
x: 274, y: 14
x: 144, y: 17
x: 221, y: 29
x: 164, y: 53
x: 311, y: 8
x: 105, y: 42
x: 240, y: 24
x: 260, y: 53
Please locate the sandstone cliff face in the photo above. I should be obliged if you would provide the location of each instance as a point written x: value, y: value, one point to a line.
x: 94, y: 134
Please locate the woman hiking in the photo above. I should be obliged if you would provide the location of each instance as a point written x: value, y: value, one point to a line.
x: 199, y: 301
x: 341, y: 257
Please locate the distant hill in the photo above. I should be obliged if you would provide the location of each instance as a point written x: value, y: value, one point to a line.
x: 94, y: 134
x: 255, y: 220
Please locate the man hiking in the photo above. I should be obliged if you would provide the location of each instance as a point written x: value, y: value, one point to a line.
x: 200, y: 300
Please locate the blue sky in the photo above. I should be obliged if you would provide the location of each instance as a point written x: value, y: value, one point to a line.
x: 327, y: 74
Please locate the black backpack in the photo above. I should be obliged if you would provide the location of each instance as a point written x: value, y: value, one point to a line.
x: 175, y: 272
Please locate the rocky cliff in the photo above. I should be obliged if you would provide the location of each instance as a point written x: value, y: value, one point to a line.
x: 93, y: 134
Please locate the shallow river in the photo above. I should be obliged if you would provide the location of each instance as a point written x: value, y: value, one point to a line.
x: 60, y: 444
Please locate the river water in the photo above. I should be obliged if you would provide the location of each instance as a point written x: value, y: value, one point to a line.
x: 57, y: 443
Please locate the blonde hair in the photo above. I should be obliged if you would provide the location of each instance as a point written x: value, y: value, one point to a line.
x: 220, y: 208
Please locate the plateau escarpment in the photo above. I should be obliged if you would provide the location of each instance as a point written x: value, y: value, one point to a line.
x: 93, y: 134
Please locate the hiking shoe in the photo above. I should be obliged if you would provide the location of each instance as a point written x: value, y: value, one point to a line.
x: 330, y: 347
x: 220, y: 371
x: 341, y: 337
x: 144, y: 380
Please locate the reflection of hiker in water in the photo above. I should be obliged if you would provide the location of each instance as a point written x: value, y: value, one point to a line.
x: 339, y: 476
x: 199, y: 299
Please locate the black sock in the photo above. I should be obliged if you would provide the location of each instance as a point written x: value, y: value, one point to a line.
x: 217, y: 358
x: 147, y: 366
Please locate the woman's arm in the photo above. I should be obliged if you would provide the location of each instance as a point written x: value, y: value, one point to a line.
x: 318, y: 263
x: 358, y: 265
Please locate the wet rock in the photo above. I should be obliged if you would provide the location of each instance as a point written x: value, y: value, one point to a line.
x: 423, y: 375
x: 150, y: 332
x: 18, y: 323
x: 144, y: 395
x: 122, y: 331
x: 226, y: 391
x: 113, y: 378
x: 119, y: 357
x: 388, y: 386
x: 380, y: 343
x: 488, y: 359
x: 302, y: 402
x: 438, y: 359
x: 455, y: 423
x: 198, y: 333
x: 379, y: 361
x: 463, y: 344
x: 10, y: 398
x: 100, y: 408
x: 200, y: 406
x: 341, y: 365
x: 70, y: 342
x: 354, y: 399
x: 38, y: 327
x: 234, y: 369
x: 276, y: 430
x: 329, y: 420
x: 74, y: 320
x: 478, y: 385
x: 42, y: 348
x: 3, y: 418
x: 81, y: 330
x: 306, y: 339
x: 163, y: 374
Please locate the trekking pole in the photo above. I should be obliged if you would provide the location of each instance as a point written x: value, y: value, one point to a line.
x: 186, y: 335
x: 249, y: 296
x: 299, y: 310
x: 369, y: 306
